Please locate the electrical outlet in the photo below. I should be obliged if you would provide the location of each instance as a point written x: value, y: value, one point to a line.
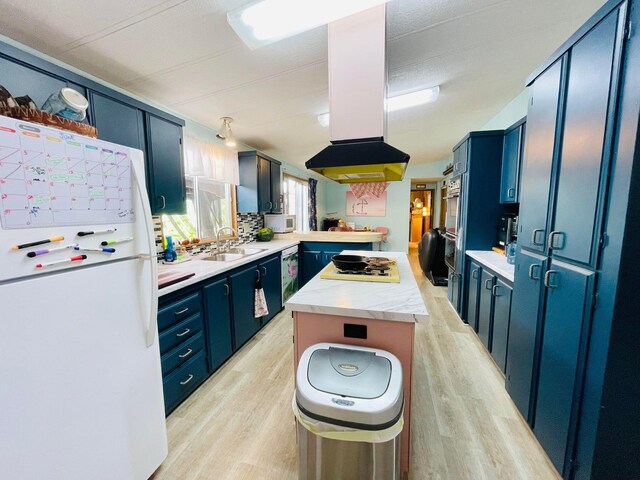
x: 245, y: 227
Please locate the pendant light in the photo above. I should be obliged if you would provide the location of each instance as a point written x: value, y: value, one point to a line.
x: 225, y: 133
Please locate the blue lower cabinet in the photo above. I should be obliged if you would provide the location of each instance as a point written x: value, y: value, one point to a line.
x: 178, y: 385
x: 473, y: 294
x: 272, y: 285
x: 311, y: 265
x: 501, y: 315
x: 182, y: 353
x: 567, y: 311
x: 245, y: 325
x: 218, y: 322
x: 485, y: 308
x: 179, y: 310
x: 180, y: 332
x: 523, y: 328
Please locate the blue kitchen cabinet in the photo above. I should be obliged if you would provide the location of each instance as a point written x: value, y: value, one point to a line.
x: 455, y: 290
x: 311, y: 265
x: 217, y: 296
x: 117, y: 122
x: 567, y: 310
x: 461, y: 158
x: 272, y: 284
x: 524, y: 328
x: 473, y: 294
x: 511, y: 160
x: 502, y: 293
x: 542, y: 119
x: 245, y: 325
x: 584, y: 158
x: 485, y: 307
x: 260, y: 188
x: 180, y: 383
x: 166, y: 169
x: 327, y: 257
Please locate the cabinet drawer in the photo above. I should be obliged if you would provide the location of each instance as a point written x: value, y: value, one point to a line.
x: 180, y: 310
x: 179, y: 384
x: 180, y: 332
x: 182, y: 353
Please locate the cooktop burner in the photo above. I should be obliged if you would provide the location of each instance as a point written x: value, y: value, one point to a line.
x: 371, y: 270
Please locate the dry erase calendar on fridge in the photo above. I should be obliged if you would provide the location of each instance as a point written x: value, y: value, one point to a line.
x: 50, y: 177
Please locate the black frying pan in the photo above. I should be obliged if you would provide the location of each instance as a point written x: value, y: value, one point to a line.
x: 350, y: 262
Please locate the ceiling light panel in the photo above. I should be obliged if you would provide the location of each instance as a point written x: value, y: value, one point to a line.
x: 263, y: 22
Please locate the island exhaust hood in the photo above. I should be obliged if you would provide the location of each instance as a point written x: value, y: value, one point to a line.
x: 357, y: 92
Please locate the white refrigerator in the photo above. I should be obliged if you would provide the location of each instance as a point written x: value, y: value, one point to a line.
x: 80, y: 378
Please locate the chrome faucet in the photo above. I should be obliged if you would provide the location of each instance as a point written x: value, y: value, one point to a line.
x: 221, y: 229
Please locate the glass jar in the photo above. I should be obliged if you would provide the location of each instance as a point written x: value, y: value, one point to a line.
x: 67, y: 103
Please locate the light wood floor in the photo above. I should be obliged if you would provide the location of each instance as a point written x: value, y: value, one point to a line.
x: 239, y: 424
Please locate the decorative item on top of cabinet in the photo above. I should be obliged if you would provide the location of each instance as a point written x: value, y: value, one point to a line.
x: 260, y: 188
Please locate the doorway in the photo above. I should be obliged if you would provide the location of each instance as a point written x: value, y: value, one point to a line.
x: 424, y: 208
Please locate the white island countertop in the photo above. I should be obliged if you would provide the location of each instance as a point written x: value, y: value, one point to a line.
x: 494, y: 261
x: 205, y: 269
x: 343, y: 237
x: 400, y: 302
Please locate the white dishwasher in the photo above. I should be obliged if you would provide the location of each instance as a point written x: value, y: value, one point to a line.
x: 289, y: 272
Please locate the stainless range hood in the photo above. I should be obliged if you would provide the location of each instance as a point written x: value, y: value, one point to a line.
x: 357, y: 92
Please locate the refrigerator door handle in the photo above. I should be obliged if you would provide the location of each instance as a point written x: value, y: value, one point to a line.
x: 152, y: 326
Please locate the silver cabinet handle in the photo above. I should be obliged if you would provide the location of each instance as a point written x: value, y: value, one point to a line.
x: 183, y: 333
x: 534, y: 235
x: 264, y: 271
x: 317, y: 256
x: 487, y: 284
x: 184, y: 310
x: 511, y: 193
x: 474, y: 273
x: 532, y: 269
x: 164, y: 202
x: 189, y: 378
x: 552, y: 238
x: 270, y: 203
x: 186, y: 354
x: 494, y: 291
x: 226, y: 289
x: 547, y: 279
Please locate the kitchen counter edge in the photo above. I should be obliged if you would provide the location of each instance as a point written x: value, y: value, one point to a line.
x: 495, y: 262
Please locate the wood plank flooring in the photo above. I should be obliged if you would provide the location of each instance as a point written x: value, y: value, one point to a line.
x: 239, y: 424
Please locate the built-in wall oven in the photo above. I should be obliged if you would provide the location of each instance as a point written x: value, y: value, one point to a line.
x: 452, y: 221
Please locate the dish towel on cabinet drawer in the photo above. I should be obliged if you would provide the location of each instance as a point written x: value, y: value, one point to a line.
x: 260, y: 302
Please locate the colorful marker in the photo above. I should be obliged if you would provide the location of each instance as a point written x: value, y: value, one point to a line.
x: 35, y: 253
x: 118, y: 240
x: 104, y: 250
x: 96, y: 232
x: 40, y: 242
x: 66, y: 260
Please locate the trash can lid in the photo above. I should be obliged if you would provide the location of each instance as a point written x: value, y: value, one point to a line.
x: 350, y: 386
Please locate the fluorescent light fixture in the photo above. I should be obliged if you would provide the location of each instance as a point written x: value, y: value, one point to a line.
x: 262, y: 22
x: 323, y: 119
x: 399, y: 102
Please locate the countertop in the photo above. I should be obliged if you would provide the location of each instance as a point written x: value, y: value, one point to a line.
x: 400, y: 302
x: 347, y: 237
x: 494, y: 261
x: 205, y: 269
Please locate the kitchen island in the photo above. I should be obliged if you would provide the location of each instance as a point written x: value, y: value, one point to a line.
x: 368, y: 314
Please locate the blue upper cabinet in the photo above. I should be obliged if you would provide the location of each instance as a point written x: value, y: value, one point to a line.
x: 584, y: 160
x: 260, y: 188
x: 511, y: 160
x: 166, y: 171
x: 117, y: 122
x: 538, y: 158
x: 461, y: 158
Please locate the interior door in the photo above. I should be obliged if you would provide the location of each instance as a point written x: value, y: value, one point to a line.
x: 567, y: 311
x: 538, y: 158
x: 584, y: 159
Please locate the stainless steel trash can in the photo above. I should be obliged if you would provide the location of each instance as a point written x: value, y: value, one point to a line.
x: 349, y: 406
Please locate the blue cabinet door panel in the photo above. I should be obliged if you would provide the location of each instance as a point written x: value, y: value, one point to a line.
x: 510, y: 159
x: 524, y: 328
x: 311, y: 265
x: 567, y: 310
x: 485, y: 309
x: 581, y: 161
x: 218, y: 317
x: 272, y: 285
x: 245, y: 325
x: 117, y: 122
x: 473, y: 294
x: 538, y: 158
x: 501, y: 315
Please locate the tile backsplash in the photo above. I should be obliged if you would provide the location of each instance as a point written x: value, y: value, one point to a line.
x: 248, y: 226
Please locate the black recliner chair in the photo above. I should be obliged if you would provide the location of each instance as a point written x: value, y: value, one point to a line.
x: 431, y: 257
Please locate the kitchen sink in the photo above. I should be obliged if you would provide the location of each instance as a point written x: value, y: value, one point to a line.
x: 224, y: 257
x: 246, y: 251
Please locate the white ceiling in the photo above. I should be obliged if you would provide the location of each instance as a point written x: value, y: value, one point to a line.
x: 182, y: 54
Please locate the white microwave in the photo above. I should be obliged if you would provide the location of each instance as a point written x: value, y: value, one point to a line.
x: 279, y: 222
